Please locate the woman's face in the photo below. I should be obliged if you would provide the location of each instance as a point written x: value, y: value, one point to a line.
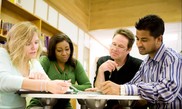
x: 31, y: 47
x: 62, y: 51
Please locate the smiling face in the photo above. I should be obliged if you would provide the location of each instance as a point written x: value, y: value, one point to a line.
x: 32, y: 47
x: 118, y: 49
x: 146, y: 43
x: 62, y: 51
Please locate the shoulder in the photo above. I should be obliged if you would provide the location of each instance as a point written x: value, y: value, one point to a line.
x: 34, y: 63
x: 4, y: 54
x: 77, y: 62
x: 171, y: 55
x: 43, y: 59
x: 4, y: 57
x: 104, y: 58
x: 3, y: 51
x: 134, y: 60
x: 78, y: 65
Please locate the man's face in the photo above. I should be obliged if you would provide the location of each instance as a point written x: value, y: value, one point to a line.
x: 118, y: 48
x: 146, y: 43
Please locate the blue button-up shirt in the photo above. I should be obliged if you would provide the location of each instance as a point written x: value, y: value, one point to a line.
x: 159, y: 80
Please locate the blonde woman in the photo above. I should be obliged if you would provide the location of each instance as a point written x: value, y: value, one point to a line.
x: 20, y: 69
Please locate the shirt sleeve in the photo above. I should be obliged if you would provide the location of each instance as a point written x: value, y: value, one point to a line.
x: 10, y: 78
x: 45, y: 63
x: 81, y: 77
x: 165, y: 89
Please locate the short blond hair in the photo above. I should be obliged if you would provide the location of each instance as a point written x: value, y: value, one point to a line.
x: 17, y: 38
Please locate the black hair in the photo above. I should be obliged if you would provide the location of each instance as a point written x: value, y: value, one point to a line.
x: 153, y: 23
x: 52, y: 47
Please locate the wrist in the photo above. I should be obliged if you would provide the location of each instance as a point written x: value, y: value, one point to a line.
x: 122, y: 90
x: 100, y: 70
x: 44, y: 85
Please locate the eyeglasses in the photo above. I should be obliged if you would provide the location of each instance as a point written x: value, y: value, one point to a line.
x: 118, y: 47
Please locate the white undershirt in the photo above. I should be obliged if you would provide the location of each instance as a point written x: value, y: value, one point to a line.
x: 118, y: 67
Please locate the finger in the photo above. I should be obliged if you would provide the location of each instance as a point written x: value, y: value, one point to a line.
x: 69, y: 81
x: 105, y: 85
x: 31, y: 75
x: 112, y: 65
x: 66, y: 84
x: 106, y: 90
x: 91, y: 89
x: 62, y: 90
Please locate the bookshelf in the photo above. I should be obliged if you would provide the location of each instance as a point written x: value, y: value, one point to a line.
x: 12, y: 13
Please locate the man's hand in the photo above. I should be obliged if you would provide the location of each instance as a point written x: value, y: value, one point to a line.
x: 92, y: 89
x: 109, y: 65
x: 110, y: 88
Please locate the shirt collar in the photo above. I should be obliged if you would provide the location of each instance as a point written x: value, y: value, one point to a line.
x: 159, y: 54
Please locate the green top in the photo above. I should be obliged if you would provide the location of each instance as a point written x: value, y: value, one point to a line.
x: 77, y: 75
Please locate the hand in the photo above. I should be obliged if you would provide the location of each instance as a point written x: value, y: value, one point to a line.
x: 91, y: 89
x: 38, y: 75
x: 58, y: 86
x: 109, y: 65
x: 110, y: 88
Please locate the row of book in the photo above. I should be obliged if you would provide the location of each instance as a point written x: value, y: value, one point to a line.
x: 5, y: 27
x: 44, y: 40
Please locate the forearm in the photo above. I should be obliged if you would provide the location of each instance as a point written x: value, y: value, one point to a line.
x: 36, y: 85
x: 100, y: 78
x: 83, y: 86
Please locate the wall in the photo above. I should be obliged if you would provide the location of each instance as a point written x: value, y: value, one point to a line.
x: 172, y: 38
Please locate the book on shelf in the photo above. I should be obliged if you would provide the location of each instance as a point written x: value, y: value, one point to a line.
x: 47, y: 38
x: 6, y: 26
x: 1, y: 27
x: 44, y: 40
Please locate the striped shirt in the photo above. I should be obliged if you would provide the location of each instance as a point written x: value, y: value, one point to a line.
x: 159, y: 80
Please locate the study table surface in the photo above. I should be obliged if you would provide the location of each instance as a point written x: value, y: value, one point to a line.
x: 82, y: 96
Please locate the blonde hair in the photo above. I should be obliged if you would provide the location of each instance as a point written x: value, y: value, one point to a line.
x: 17, y: 38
